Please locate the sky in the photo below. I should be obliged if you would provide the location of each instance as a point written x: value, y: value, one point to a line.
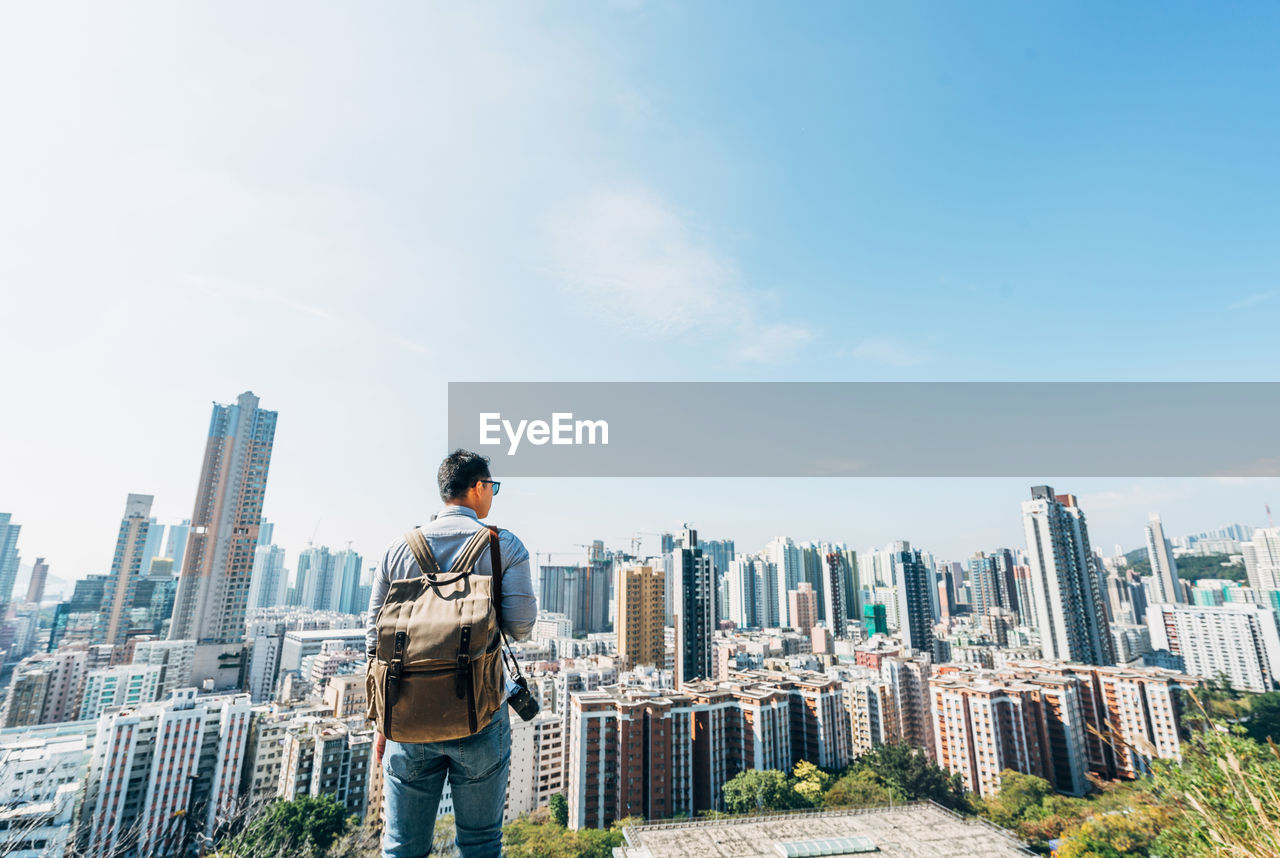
x: 342, y: 208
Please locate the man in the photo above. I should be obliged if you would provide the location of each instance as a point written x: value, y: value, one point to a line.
x: 477, y: 765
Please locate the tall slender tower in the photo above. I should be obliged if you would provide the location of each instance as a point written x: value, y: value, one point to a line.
x: 1163, y: 566
x: 916, y: 580
x: 694, y: 609
x: 39, y: 575
x: 126, y: 570
x: 641, y: 594
x: 1067, y: 594
x: 213, y: 589
x: 8, y: 559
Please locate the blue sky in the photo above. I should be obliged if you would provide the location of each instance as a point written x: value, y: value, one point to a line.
x: 343, y: 208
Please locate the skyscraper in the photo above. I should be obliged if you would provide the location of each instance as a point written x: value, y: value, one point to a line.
x: 640, y: 630
x: 269, y: 579
x: 126, y: 570
x: 839, y: 572
x: 788, y: 562
x: 155, y: 541
x: 8, y: 558
x: 213, y: 590
x: 802, y: 607
x: 347, y: 566
x: 162, y: 772
x: 1262, y: 559
x: 750, y: 579
x: 39, y: 575
x: 177, y: 547
x: 916, y: 590
x: 694, y: 609
x: 1163, y: 567
x: 1066, y: 590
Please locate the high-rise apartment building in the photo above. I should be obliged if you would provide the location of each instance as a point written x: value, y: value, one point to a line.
x: 162, y: 772
x: 174, y: 658
x: 917, y: 591
x: 641, y: 593
x: 39, y: 575
x: 841, y: 576
x: 270, y: 583
x: 802, y: 607
x: 347, y: 569
x: 750, y: 578
x: 630, y: 755
x: 213, y: 590
x: 694, y: 610
x: 721, y: 552
x: 9, y: 558
x: 45, y: 689
x: 328, y: 757
x: 316, y: 578
x: 1262, y: 559
x: 1237, y: 641
x: 1056, y: 721
x: 1163, y: 567
x: 123, y: 685
x: 1066, y: 588
x: 788, y: 564
x: 126, y: 570
x: 176, y: 548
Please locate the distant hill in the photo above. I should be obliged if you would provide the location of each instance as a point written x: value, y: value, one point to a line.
x: 1191, y: 568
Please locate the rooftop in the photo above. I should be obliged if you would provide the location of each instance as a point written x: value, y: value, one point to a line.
x: 903, y: 831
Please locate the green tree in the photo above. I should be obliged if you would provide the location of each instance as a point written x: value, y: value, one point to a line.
x: 811, y: 782
x: 305, y: 826
x: 525, y: 838
x: 753, y: 790
x: 1118, y: 834
x: 858, y: 788
x: 559, y: 809
x: 1021, y: 797
x: 1263, y: 721
x: 912, y: 776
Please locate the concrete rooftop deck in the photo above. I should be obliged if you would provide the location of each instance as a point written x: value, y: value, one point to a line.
x: 919, y: 830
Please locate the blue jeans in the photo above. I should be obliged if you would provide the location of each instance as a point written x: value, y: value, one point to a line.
x: 477, y: 767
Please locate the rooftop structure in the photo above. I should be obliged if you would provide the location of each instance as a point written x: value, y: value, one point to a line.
x: 890, y: 832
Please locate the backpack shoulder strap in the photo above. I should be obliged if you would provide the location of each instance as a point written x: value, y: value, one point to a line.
x: 495, y: 560
x: 422, y: 553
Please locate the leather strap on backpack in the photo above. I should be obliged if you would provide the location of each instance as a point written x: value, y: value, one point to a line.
x: 495, y: 560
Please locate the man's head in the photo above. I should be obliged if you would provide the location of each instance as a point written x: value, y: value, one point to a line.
x: 465, y: 481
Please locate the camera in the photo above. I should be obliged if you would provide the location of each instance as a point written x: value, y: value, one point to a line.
x: 525, y: 704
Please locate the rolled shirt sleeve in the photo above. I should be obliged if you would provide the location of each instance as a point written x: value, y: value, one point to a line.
x: 519, y: 608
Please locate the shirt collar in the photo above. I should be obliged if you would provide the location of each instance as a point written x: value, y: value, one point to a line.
x: 454, y: 509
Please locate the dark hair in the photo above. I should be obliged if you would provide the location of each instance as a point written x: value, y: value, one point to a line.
x: 459, y: 472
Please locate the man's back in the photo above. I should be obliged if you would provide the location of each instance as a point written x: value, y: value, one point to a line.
x: 477, y: 764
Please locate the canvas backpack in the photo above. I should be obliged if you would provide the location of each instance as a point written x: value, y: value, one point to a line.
x: 437, y: 671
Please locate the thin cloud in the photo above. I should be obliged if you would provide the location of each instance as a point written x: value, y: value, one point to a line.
x: 1145, y: 497
x: 410, y: 346
x: 889, y: 351
x: 1257, y: 298
x: 634, y: 261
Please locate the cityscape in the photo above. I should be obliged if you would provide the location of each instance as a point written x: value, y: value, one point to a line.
x: 161, y: 707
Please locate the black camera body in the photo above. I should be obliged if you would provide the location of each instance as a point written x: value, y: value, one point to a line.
x: 523, y: 701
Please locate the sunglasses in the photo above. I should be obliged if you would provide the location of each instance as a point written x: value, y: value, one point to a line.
x: 495, y: 483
